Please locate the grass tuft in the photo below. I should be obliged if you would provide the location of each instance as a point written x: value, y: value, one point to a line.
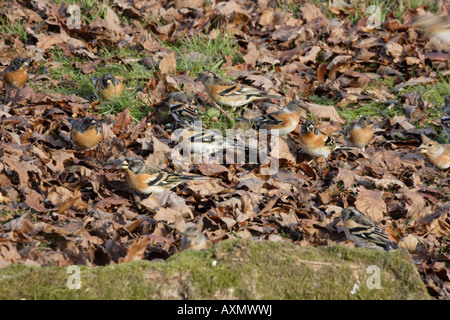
x: 196, y: 53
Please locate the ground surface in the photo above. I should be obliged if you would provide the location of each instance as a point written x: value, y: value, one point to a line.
x: 60, y: 206
x: 232, y: 270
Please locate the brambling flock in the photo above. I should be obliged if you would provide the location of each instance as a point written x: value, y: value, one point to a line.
x: 146, y: 179
x: 288, y: 96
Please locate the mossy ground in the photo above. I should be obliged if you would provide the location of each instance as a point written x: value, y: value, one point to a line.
x: 244, y: 270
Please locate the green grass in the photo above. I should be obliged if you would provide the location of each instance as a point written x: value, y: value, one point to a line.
x: 89, y: 9
x: 241, y: 271
x: 197, y: 52
x: 211, y: 54
x: 358, y: 8
x: 73, y: 81
x: 7, y: 26
x: 433, y: 93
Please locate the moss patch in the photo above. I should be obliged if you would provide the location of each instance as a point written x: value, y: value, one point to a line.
x: 243, y: 270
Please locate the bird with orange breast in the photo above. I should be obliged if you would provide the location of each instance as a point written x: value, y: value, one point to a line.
x: 16, y: 74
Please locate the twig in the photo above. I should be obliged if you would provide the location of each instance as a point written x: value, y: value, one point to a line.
x: 223, y: 111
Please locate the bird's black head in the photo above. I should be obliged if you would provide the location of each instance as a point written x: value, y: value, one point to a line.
x: 85, y: 124
x: 17, y: 63
x: 309, y: 126
x: 135, y: 165
x: 108, y: 79
x: 207, y: 77
x: 350, y: 212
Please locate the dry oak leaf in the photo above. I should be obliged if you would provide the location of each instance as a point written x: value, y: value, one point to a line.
x: 395, y: 50
x: 371, y: 203
x: 252, y: 55
x: 440, y: 227
x: 168, y: 64
x: 310, y: 55
x: 311, y: 11
x: 229, y: 7
x: 122, y: 121
x: 413, y: 243
x: 324, y: 112
x: 206, y: 188
x: 8, y: 253
x: 413, y: 82
x: 21, y: 223
x: 3, y: 199
x: 110, y: 24
x: 168, y: 206
x: 415, y: 203
x: 35, y: 201
x: 136, y: 251
x: 189, y: 3
x: 346, y: 176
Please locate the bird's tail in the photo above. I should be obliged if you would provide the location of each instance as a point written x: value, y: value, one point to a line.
x: 272, y: 96
x: 186, y: 177
x: 240, y: 118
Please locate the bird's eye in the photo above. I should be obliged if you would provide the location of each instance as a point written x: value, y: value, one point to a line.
x: 430, y: 145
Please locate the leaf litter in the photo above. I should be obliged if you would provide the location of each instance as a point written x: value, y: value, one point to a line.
x: 62, y: 206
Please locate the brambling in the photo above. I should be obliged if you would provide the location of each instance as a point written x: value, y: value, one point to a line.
x: 205, y: 142
x: 447, y: 104
x: 360, y: 133
x: 86, y: 133
x: 107, y: 87
x: 281, y: 122
x: 149, y: 179
x: 314, y: 142
x: 16, y: 74
x: 182, y: 107
x: 445, y: 121
x: 229, y: 93
x: 434, y: 25
x: 364, y: 232
x: 194, y: 239
x: 435, y: 153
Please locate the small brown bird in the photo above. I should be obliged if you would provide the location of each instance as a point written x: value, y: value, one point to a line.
x: 182, y: 107
x: 364, y: 232
x: 445, y: 119
x: 435, y: 153
x: 281, y: 122
x: 314, y: 142
x: 107, y: 87
x: 16, y: 74
x: 148, y: 179
x: 229, y: 93
x: 194, y: 239
x: 445, y: 122
x: 434, y: 25
x: 86, y: 133
x: 360, y: 133
x: 207, y: 142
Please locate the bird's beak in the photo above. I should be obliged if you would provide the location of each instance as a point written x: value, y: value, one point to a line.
x: 109, y: 82
x: 422, y: 149
x: 25, y: 64
x: 125, y: 165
